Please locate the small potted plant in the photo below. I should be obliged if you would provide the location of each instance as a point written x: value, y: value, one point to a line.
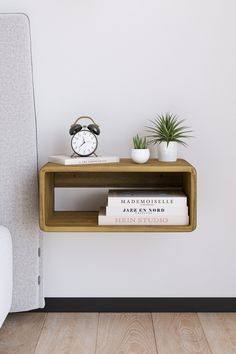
x: 140, y: 153
x: 167, y: 131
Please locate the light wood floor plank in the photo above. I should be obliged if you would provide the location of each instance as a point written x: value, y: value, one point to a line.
x: 68, y: 333
x: 179, y: 333
x: 220, y: 330
x: 125, y: 333
x: 20, y: 333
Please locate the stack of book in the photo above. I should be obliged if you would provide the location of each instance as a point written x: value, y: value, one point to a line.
x: 145, y: 207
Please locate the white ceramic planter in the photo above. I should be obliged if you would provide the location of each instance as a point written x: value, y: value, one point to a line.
x: 140, y: 155
x: 167, y: 153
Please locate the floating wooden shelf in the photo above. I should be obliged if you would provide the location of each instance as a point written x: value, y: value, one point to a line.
x: 126, y: 174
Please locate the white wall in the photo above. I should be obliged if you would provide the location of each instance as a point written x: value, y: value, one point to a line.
x: 122, y: 62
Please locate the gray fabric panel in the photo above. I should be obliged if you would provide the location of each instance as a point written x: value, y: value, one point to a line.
x: 18, y: 159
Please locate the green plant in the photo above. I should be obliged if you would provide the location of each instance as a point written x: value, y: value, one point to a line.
x: 168, y: 128
x: 139, y: 142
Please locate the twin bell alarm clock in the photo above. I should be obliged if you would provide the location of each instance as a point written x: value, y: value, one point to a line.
x: 84, y: 140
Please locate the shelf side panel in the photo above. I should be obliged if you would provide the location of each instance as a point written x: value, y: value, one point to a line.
x: 189, y: 187
x: 46, y: 198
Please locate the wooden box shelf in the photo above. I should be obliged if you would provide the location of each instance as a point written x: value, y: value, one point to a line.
x: 126, y: 174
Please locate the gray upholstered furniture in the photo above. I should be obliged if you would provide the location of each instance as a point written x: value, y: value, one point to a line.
x: 18, y: 160
x: 5, y: 273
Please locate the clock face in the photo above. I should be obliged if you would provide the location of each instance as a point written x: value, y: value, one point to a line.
x: 84, y: 143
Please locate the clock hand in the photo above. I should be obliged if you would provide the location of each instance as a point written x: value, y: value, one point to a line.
x: 82, y: 143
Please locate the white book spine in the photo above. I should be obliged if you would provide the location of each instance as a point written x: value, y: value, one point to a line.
x: 143, y: 220
x: 67, y: 160
x: 153, y: 211
x: 147, y: 202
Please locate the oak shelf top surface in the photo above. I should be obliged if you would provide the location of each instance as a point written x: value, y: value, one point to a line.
x: 125, y: 165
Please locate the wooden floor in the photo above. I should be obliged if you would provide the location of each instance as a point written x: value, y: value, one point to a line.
x: 119, y: 333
